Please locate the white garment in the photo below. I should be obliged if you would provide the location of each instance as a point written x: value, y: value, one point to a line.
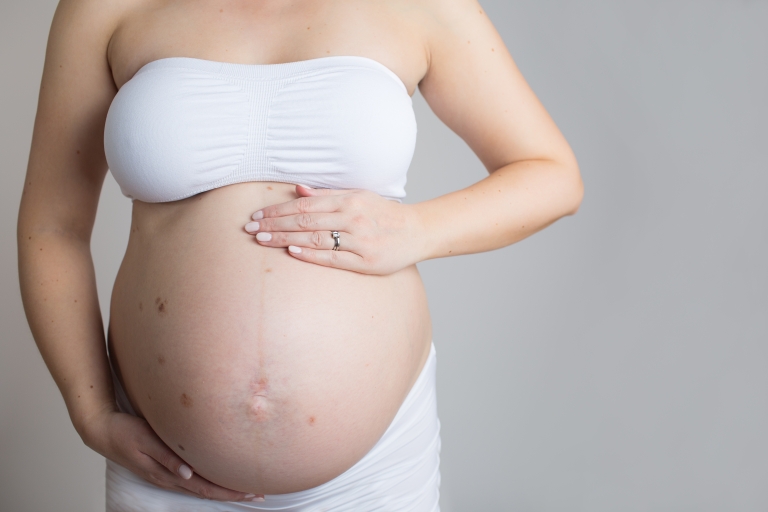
x: 181, y: 126
x: 400, y: 474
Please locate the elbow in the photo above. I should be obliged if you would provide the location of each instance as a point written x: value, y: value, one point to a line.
x: 572, y: 188
x: 578, y: 195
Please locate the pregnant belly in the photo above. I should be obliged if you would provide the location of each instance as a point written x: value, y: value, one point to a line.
x: 265, y: 373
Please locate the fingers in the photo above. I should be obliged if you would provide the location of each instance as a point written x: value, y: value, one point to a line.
x: 312, y: 200
x: 163, y: 468
x: 337, y: 259
x: 300, y: 205
x: 194, y: 486
x: 309, y: 239
x: 300, y: 222
x: 304, y: 190
x: 157, y: 450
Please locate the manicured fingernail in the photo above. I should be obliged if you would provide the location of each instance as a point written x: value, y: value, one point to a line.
x: 252, y: 226
x: 263, y: 237
x: 258, y: 215
x: 185, y: 472
x: 294, y: 249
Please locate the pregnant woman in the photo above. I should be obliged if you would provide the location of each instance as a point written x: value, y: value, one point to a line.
x: 269, y: 345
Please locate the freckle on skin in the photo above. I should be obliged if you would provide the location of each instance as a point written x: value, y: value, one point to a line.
x: 269, y: 188
x: 268, y: 270
x: 91, y: 387
x: 186, y: 400
x: 141, y: 307
x: 161, y: 360
x: 311, y: 421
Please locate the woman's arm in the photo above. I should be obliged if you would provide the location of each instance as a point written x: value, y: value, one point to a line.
x: 58, y: 207
x: 66, y: 171
x: 475, y: 88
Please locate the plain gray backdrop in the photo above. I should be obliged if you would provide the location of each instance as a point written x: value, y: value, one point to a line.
x: 616, y: 361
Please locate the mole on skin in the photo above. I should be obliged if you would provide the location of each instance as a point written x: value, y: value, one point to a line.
x: 186, y: 400
x: 161, y: 360
x: 182, y: 448
x: 311, y: 421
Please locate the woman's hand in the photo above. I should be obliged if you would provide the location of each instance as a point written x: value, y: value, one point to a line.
x: 132, y: 443
x: 376, y: 235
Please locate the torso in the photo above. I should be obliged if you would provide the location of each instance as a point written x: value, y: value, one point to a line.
x: 265, y: 373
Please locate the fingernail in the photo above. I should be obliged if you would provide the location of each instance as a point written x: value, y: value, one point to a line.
x: 258, y: 215
x: 294, y: 249
x: 263, y: 237
x: 305, y: 186
x: 249, y: 496
x: 185, y: 472
x: 252, y: 226
x: 258, y: 498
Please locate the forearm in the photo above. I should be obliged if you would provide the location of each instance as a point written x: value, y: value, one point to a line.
x: 58, y: 289
x: 511, y: 204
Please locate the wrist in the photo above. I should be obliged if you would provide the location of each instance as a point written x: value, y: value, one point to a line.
x: 89, y: 421
x: 422, y: 232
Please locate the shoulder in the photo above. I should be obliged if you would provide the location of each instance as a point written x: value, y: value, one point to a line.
x: 92, y: 22
x: 453, y: 31
x: 446, y: 17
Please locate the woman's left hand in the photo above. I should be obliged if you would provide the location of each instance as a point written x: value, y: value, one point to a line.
x: 376, y: 235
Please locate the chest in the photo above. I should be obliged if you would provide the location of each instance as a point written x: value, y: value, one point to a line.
x: 266, y: 32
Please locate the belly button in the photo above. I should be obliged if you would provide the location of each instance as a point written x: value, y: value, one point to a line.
x: 259, y: 408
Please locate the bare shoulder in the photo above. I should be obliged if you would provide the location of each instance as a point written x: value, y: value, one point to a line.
x: 92, y: 20
x: 475, y: 87
x: 67, y: 162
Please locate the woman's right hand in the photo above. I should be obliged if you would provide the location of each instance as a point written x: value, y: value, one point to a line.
x: 132, y: 443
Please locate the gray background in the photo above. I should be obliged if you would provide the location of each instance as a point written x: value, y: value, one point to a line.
x: 616, y: 361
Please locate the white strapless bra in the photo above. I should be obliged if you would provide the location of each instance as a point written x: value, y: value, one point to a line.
x: 182, y: 126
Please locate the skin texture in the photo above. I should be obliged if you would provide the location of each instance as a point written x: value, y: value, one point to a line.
x: 208, y: 321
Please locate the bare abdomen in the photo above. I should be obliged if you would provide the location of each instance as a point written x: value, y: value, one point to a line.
x: 265, y: 373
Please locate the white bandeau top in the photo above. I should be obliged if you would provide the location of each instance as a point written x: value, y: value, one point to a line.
x: 182, y: 126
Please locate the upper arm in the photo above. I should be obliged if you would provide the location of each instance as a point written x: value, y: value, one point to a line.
x: 475, y: 88
x: 67, y: 163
